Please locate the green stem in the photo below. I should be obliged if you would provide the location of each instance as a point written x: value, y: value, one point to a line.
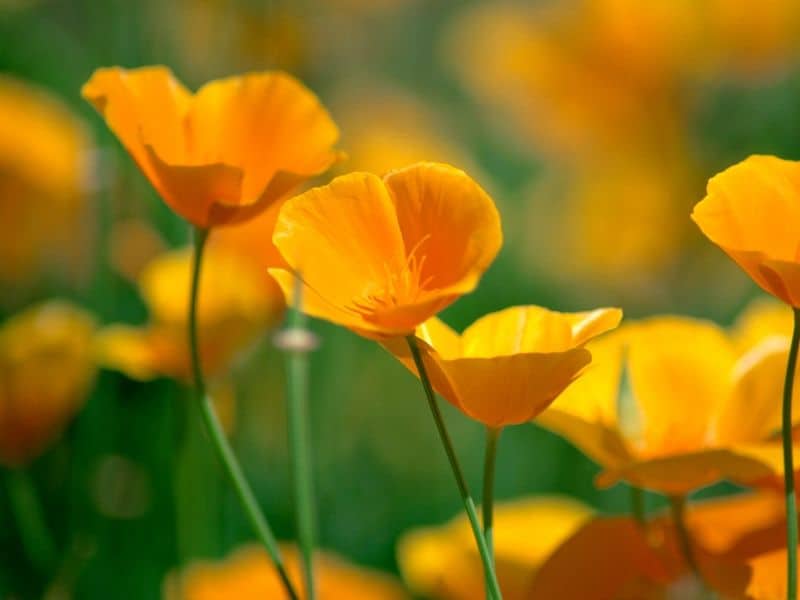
x: 788, y: 463
x: 487, y: 502
x: 217, y: 434
x: 678, y: 506
x: 29, y: 517
x: 299, y: 440
x: 493, y: 587
x: 638, y: 505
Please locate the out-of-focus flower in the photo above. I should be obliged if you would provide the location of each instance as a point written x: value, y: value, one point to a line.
x: 248, y: 574
x: 507, y: 366
x: 645, y: 560
x: 225, y: 153
x: 237, y: 302
x: 752, y: 212
x: 668, y: 404
x: 397, y: 130
x: 134, y: 243
x: 44, y: 177
x: 46, y: 372
x: 443, y: 563
x: 382, y: 255
x: 761, y: 320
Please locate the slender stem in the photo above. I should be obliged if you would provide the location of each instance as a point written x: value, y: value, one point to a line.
x: 638, y: 505
x: 299, y: 440
x: 217, y: 434
x: 469, y: 505
x: 678, y: 506
x: 788, y: 463
x: 487, y: 502
x: 29, y: 517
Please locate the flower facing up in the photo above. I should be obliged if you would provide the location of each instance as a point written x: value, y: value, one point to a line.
x: 236, y: 303
x: 752, y: 212
x: 671, y: 404
x: 734, y: 539
x: 443, y: 563
x: 382, y: 255
x: 508, y: 366
x: 46, y: 372
x: 223, y: 154
x: 248, y: 574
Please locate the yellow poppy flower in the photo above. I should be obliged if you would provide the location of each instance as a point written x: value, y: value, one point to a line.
x: 44, y: 177
x: 645, y: 560
x: 443, y: 563
x: 382, y: 255
x: 752, y: 212
x: 225, y: 153
x: 508, y: 366
x: 248, y: 574
x: 678, y: 422
x: 236, y: 303
x: 46, y: 372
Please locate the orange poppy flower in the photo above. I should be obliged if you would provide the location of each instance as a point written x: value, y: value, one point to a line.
x: 223, y: 154
x: 508, y: 366
x: 645, y: 561
x: 382, y: 255
x: 752, y: 212
x: 46, y: 372
x: 248, y: 574
x: 670, y: 404
x: 443, y: 563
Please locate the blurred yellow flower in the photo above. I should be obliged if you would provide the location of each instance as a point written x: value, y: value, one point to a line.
x: 668, y: 404
x: 225, y: 153
x: 382, y: 255
x: 44, y: 177
x: 237, y: 302
x: 644, y: 562
x: 248, y: 574
x: 507, y: 366
x: 46, y: 373
x: 752, y: 212
x: 443, y: 563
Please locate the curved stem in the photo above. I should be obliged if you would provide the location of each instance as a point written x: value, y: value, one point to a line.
x: 217, y: 434
x: 297, y: 416
x: 678, y: 506
x: 487, y: 501
x: 493, y: 588
x: 37, y: 541
x: 788, y: 463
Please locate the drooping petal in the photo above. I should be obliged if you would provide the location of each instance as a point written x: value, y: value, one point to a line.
x: 445, y: 217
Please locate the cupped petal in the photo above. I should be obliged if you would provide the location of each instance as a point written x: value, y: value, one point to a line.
x: 450, y: 225
x: 752, y: 207
x: 267, y: 124
x: 589, y: 324
x: 437, y: 334
x: 683, y: 473
x: 144, y: 106
x: 783, y: 279
x: 344, y: 240
x: 680, y: 374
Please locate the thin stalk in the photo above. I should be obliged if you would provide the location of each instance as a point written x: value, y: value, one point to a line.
x: 638, y: 506
x: 493, y: 588
x: 299, y: 439
x: 487, y: 502
x: 678, y: 506
x: 37, y: 540
x: 217, y: 434
x: 788, y: 463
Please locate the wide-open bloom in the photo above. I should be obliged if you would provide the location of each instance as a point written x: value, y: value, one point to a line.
x: 734, y: 540
x: 46, y: 372
x: 382, y: 255
x: 248, y: 575
x: 507, y: 366
x: 752, y: 212
x: 672, y: 404
x: 44, y: 179
x: 225, y: 153
x: 236, y: 303
x: 443, y: 563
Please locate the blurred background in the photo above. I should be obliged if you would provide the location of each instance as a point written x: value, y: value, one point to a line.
x: 593, y: 123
